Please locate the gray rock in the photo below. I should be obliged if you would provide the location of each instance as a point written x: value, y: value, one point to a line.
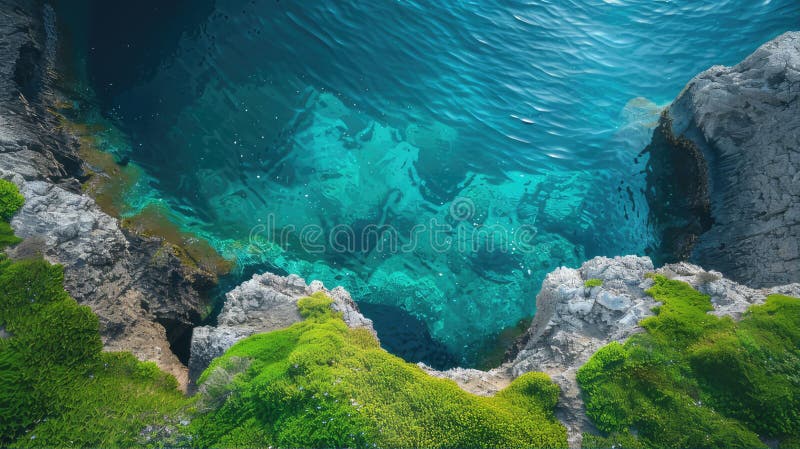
x: 724, y: 168
x: 267, y: 302
x: 572, y: 322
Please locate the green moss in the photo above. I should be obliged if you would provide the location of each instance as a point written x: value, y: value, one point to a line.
x: 57, y: 387
x: 615, y: 440
x: 7, y: 237
x: 314, y: 306
x: 10, y: 200
x: 320, y: 384
x: 696, y: 380
x: 593, y: 283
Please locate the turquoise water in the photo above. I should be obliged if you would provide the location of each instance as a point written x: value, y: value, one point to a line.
x: 435, y: 158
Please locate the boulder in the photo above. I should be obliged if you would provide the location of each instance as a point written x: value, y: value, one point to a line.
x: 724, y: 169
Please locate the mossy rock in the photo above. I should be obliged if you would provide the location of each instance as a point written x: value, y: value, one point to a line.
x: 319, y: 383
x: 593, y: 283
x: 697, y: 380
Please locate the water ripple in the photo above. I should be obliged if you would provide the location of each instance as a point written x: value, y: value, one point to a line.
x: 325, y: 112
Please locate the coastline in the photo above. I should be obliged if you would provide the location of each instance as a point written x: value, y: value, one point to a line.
x: 149, y: 291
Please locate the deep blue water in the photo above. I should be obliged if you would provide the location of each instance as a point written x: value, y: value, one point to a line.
x: 435, y: 158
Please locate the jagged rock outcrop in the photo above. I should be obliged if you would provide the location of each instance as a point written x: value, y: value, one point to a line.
x: 145, y: 297
x: 724, y: 169
x: 573, y: 321
x: 264, y: 303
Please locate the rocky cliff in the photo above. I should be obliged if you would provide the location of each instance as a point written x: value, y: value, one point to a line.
x: 145, y: 297
x: 724, y: 191
x: 723, y: 176
x: 574, y: 320
x: 724, y: 168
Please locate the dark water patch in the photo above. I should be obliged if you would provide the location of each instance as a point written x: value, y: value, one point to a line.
x: 406, y: 336
x: 502, y: 346
x: 143, y: 34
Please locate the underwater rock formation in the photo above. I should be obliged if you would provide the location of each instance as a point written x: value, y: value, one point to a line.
x: 724, y: 168
x: 146, y: 298
x: 267, y: 302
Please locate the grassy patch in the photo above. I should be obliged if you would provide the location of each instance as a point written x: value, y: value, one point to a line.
x: 7, y: 237
x: 593, y: 283
x: 320, y: 384
x: 57, y: 387
x: 696, y: 380
x: 10, y: 202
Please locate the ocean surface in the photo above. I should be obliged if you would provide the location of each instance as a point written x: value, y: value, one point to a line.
x: 435, y: 158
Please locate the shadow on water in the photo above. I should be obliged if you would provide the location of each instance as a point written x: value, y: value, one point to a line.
x: 143, y: 33
x: 406, y: 336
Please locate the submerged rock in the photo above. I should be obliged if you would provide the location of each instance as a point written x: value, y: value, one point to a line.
x: 267, y: 302
x: 724, y: 169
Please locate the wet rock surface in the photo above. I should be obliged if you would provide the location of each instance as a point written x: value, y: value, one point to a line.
x: 724, y: 171
x: 145, y: 297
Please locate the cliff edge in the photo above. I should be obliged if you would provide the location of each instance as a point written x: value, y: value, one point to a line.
x: 146, y: 298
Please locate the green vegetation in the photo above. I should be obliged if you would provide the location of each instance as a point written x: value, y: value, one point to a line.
x: 320, y: 384
x: 7, y: 237
x: 10, y: 200
x: 696, y: 380
x: 692, y: 380
x: 57, y: 387
x: 593, y: 283
x: 317, y: 383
